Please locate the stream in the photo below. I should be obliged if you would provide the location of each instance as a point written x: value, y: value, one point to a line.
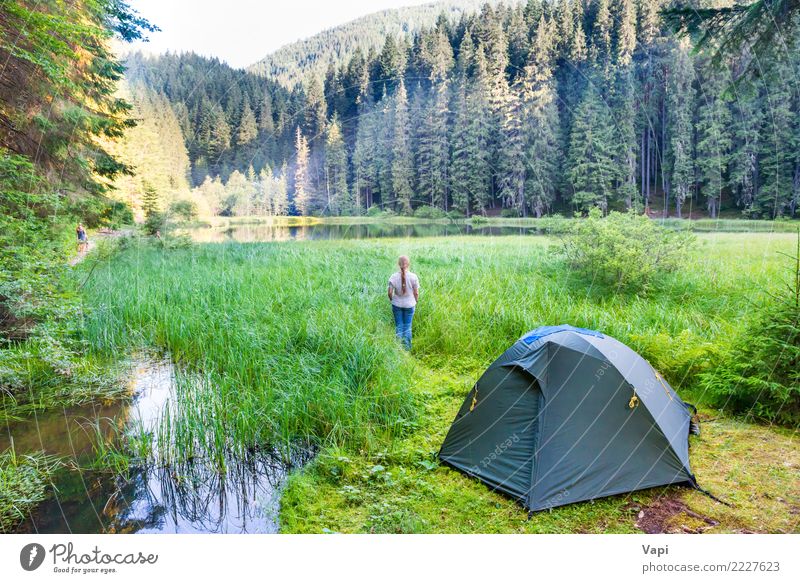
x: 187, y: 499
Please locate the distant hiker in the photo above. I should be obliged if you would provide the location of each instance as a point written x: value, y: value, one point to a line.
x: 83, y: 240
x: 403, y: 293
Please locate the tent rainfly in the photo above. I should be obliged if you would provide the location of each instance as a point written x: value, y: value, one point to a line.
x: 566, y: 415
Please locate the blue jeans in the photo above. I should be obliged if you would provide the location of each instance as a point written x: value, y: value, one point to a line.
x: 402, y: 324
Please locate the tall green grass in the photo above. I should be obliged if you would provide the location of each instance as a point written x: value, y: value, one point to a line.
x: 283, y: 342
x: 279, y: 343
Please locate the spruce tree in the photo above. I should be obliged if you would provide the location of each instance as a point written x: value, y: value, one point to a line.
x: 338, y: 194
x: 713, y: 140
x: 432, y: 147
x: 479, y: 136
x: 302, y: 183
x: 247, y: 126
x: 263, y: 203
x: 402, y: 166
x: 266, y: 124
x: 459, y: 153
x: 591, y: 166
x: 747, y: 119
x: 540, y: 124
x: 280, y: 193
x: 777, y: 144
x: 151, y: 201
x: 681, y: 96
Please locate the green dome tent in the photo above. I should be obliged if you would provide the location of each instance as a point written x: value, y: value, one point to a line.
x: 568, y: 414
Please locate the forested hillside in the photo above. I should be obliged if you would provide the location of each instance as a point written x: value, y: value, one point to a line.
x: 296, y: 62
x: 526, y: 109
x: 155, y: 149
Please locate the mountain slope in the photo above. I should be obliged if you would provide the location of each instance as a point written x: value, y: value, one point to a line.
x: 294, y: 62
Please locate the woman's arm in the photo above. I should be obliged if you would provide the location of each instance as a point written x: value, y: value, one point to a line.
x: 415, y: 289
x: 389, y: 291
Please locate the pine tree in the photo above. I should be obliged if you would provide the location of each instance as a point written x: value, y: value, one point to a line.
x: 280, y: 193
x: 433, y: 148
x: 402, y: 166
x: 247, y: 126
x: 391, y: 64
x: 263, y: 203
x: 339, y: 200
x: 479, y: 136
x: 540, y: 124
x: 151, y: 202
x: 624, y: 31
x: 302, y: 184
x: 459, y: 153
x: 316, y: 111
x: 713, y: 141
x: 747, y: 119
x: 383, y: 148
x: 777, y: 144
x: 501, y: 101
x: 266, y: 124
x: 681, y: 96
x: 215, y: 130
x: 591, y: 166
x: 511, y: 162
x: 601, y: 39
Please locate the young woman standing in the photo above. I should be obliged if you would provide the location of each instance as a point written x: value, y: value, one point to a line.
x: 403, y: 293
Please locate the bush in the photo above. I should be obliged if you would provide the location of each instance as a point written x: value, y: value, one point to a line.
x: 185, y: 210
x: 509, y: 213
x: 154, y: 222
x: 429, y: 212
x: 478, y: 220
x: 374, y: 211
x: 623, y: 250
x: 760, y: 375
x: 454, y: 215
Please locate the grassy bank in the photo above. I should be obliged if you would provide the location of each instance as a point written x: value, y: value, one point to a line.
x: 288, y: 342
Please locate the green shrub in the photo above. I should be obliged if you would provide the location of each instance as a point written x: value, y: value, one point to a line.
x: 623, y: 250
x: 760, y: 375
x: 429, y: 212
x: 454, y: 215
x: 478, y: 220
x: 509, y: 213
x: 374, y: 211
x: 155, y: 222
x: 185, y: 210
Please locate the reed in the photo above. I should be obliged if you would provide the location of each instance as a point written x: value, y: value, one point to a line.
x: 280, y: 343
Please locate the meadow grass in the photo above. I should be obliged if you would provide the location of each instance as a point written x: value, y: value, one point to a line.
x: 280, y: 343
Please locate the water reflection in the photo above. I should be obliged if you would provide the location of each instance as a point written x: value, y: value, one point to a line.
x: 190, y: 498
x: 249, y: 233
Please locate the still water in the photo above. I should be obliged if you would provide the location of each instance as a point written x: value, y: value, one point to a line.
x: 248, y: 233
x: 188, y: 499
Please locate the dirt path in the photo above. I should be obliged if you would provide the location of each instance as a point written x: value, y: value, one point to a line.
x: 98, y: 236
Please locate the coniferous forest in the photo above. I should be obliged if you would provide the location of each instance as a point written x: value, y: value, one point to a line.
x: 523, y: 109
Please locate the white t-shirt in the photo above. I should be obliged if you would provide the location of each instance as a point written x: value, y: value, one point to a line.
x: 400, y: 299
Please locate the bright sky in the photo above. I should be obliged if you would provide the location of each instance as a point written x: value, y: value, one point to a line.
x: 243, y: 31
